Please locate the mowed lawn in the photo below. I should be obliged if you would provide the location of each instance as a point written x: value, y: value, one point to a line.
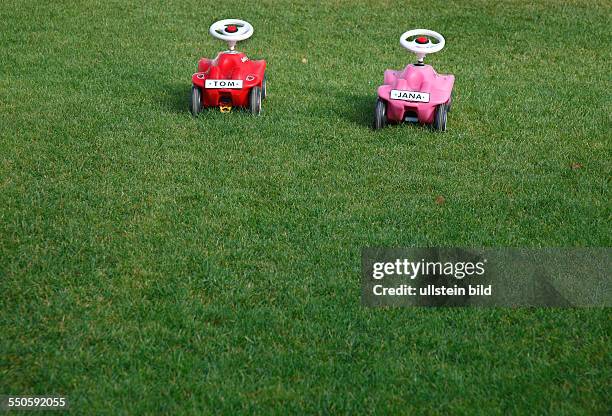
x: 155, y: 263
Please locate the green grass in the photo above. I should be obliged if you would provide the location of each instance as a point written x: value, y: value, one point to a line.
x: 155, y: 263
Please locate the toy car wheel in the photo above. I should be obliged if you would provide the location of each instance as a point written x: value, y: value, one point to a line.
x: 255, y: 101
x: 264, y: 89
x: 195, y: 103
x: 440, y: 118
x: 449, y: 103
x: 380, y: 114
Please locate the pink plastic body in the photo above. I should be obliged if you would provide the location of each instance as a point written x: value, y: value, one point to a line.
x: 419, y: 78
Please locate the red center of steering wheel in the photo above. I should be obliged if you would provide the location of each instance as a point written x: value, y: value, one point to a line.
x: 421, y: 40
x: 231, y: 29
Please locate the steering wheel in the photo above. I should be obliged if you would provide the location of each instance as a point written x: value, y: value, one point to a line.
x: 422, y: 43
x: 231, y: 31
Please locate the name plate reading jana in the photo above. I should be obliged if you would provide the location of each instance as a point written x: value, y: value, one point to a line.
x: 416, y: 96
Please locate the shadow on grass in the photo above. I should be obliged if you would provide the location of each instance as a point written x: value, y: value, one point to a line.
x: 174, y: 98
x: 359, y: 109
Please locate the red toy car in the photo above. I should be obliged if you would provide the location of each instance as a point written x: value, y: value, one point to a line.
x: 231, y: 79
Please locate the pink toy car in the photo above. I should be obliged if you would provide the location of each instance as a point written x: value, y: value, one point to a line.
x: 417, y: 94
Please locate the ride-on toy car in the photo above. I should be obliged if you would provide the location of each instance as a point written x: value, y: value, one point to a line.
x: 417, y: 94
x: 231, y: 79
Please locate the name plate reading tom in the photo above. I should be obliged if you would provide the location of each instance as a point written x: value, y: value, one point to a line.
x: 223, y: 83
x: 415, y: 96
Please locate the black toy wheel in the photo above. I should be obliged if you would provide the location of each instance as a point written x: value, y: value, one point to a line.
x: 380, y: 114
x: 264, y: 89
x: 195, y: 103
x: 255, y: 101
x: 440, y: 118
x: 449, y: 103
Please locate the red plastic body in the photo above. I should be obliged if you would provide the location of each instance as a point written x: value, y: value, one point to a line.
x: 228, y: 65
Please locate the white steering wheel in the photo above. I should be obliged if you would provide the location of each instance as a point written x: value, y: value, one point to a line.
x: 422, y: 43
x: 231, y: 31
